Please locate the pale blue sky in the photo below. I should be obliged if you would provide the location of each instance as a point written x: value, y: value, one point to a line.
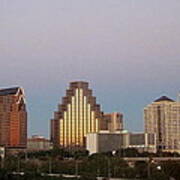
x: 128, y: 50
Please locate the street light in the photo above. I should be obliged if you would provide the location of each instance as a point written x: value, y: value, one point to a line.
x: 109, y: 164
x: 76, y: 168
x: 50, y: 165
x: 159, y: 168
x: 18, y: 163
x: 2, y: 155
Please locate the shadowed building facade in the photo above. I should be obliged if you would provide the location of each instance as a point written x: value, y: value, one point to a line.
x: 163, y: 118
x: 38, y: 143
x: 105, y: 141
x: 113, y: 122
x: 13, y: 118
x: 77, y: 116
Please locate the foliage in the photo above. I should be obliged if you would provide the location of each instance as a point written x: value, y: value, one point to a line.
x: 66, y: 161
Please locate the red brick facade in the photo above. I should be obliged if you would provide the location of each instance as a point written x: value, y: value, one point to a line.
x: 13, y: 118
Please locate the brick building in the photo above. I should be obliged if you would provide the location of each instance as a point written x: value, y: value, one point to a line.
x: 13, y: 118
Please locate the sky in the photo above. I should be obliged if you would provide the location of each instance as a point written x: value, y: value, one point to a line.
x: 128, y: 51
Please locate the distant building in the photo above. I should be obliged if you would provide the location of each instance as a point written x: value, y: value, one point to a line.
x: 38, y: 143
x: 78, y: 115
x: 113, y: 122
x: 143, y: 142
x: 163, y: 118
x: 105, y: 141
x: 13, y: 118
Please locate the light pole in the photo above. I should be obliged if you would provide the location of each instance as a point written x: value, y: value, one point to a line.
x: 18, y: 164
x: 98, y: 168
x: 50, y: 165
x: 149, y: 167
x: 2, y: 163
x: 26, y: 155
x: 109, y: 170
x: 76, y: 168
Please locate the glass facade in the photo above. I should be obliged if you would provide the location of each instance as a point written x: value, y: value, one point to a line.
x: 78, y: 115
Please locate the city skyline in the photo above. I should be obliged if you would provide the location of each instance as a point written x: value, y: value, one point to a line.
x: 125, y: 49
x: 105, y: 113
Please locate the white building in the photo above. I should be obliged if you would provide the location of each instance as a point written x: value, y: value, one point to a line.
x: 105, y: 141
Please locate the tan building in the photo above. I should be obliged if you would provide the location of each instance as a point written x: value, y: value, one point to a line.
x: 163, y: 118
x: 76, y: 116
x: 113, y: 122
x: 13, y: 118
x: 38, y: 143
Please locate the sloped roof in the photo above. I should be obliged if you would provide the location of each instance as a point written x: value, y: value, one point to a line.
x: 163, y: 98
x: 8, y: 91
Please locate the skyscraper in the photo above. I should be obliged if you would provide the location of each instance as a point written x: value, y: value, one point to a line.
x: 13, y: 118
x: 163, y: 118
x: 76, y: 116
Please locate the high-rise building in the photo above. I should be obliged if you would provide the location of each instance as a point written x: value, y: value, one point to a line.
x: 113, y: 122
x: 163, y: 118
x: 76, y: 116
x: 13, y: 118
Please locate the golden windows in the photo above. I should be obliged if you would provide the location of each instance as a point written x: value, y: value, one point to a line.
x: 78, y: 115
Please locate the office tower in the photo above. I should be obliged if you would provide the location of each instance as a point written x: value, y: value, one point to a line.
x: 76, y: 116
x: 13, y: 118
x: 163, y: 118
x: 113, y: 122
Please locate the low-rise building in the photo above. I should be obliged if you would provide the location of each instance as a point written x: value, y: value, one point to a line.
x: 106, y: 141
x: 38, y: 143
x: 143, y: 142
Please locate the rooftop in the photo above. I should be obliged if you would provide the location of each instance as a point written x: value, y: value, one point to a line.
x: 79, y: 84
x: 8, y: 91
x: 164, y: 98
